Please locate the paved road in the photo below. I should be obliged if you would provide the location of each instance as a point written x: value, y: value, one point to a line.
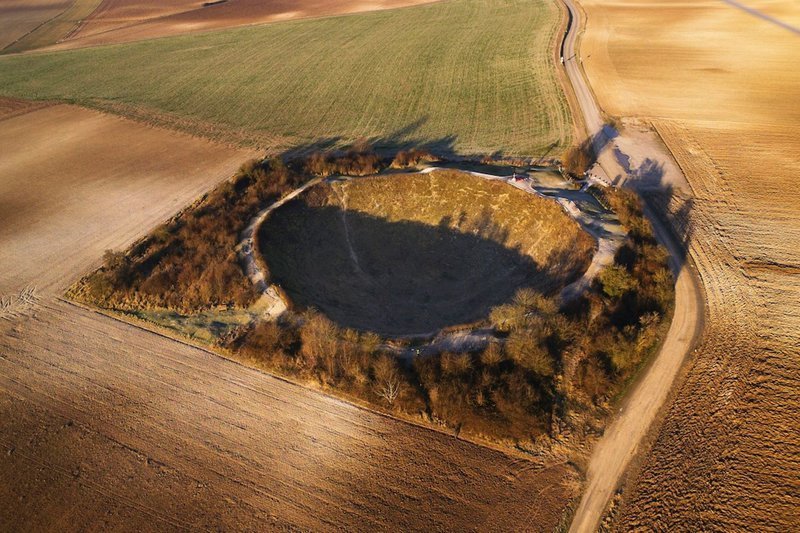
x: 613, y: 453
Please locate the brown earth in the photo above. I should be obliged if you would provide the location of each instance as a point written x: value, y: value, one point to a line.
x: 19, y: 17
x: 723, y: 95
x: 74, y: 182
x: 107, y: 426
x: 11, y: 107
x: 118, y: 21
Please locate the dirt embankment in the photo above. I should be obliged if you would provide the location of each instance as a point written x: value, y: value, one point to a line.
x: 726, y: 455
x: 410, y: 254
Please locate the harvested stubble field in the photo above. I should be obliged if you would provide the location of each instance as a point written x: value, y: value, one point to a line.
x: 118, y: 21
x: 467, y: 75
x: 725, y: 102
x: 113, y: 427
x: 410, y: 254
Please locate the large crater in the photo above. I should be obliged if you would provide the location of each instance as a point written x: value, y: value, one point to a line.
x: 413, y: 253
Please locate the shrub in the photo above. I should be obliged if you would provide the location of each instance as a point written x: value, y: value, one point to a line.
x: 507, y: 317
x: 320, y: 342
x: 578, y: 159
x: 388, y: 384
x: 359, y: 160
x: 412, y: 158
x: 592, y: 379
x: 526, y: 349
x: 616, y: 281
x: 492, y: 355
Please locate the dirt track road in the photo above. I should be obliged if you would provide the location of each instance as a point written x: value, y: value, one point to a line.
x: 105, y: 426
x: 613, y: 453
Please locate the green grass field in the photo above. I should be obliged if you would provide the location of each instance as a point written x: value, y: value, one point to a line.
x: 475, y: 76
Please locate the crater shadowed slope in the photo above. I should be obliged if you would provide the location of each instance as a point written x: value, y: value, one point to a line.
x: 415, y: 253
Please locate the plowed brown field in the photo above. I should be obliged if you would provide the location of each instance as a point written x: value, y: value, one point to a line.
x: 74, y: 182
x: 118, y: 21
x: 723, y: 95
x: 110, y: 427
x: 106, y: 426
x: 19, y: 17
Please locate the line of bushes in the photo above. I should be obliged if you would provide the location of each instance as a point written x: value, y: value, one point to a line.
x: 546, y: 359
x: 189, y: 264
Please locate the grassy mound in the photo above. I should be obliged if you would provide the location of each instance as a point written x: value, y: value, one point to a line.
x: 409, y: 254
x: 470, y: 75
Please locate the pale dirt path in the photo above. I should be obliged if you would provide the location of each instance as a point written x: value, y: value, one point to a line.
x: 620, y: 442
x: 246, y: 249
x: 341, y: 195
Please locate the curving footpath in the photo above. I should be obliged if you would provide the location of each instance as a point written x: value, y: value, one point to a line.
x: 605, y: 229
x: 272, y: 301
x: 622, y: 439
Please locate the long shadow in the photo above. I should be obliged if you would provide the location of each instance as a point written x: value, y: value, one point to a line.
x: 385, y: 145
x: 671, y: 206
x: 408, y: 137
x: 764, y: 16
x: 594, y: 145
x: 674, y: 210
x: 397, y: 278
x: 602, y: 138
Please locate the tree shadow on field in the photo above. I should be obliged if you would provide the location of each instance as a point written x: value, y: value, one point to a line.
x: 403, y: 138
x: 409, y: 137
x: 397, y: 278
x: 672, y: 206
x: 406, y: 138
x: 602, y: 138
x: 675, y: 210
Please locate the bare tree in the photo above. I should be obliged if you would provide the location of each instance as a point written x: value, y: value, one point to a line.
x: 390, y: 390
x: 387, y: 379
